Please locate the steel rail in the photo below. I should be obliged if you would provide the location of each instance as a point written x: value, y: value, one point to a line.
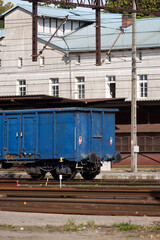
x: 98, y: 201
x: 80, y: 183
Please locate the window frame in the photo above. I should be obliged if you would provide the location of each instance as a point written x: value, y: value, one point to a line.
x: 142, y: 86
x: 54, y: 87
x: 78, y: 59
x: 42, y: 61
x: 21, y: 87
x: 146, y: 142
x: 20, y: 62
x: 80, y: 83
x: 110, y: 80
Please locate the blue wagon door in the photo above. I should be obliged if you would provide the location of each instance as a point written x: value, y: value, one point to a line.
x: 12, y: 135
x: 65, y: 135
x: 27, y: 135
x: 97, y: 132
x: 1, y: 131
x: 45, y: 135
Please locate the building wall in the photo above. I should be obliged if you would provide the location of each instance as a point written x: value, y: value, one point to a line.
x: 49, y: 25
x: 17, y: 44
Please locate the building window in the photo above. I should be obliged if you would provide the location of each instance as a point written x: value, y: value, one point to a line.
x: 42, y: 61
x: 71, y: 25
x: 20, y: 62
x: 140, y: 56
x: 50, y: 25
x: 54, y: 90
x: 111, y: 78
x: 80, y: 87
x: 64, y: 28
x: 123, y: 143
x: 111, y: 86
x: 78, y: 59
x: 21, y: 87
x: 149, y: 143
x: 142, y: 86
x: 109, y: 58
x: 43, y: 24
x: 146, y: 143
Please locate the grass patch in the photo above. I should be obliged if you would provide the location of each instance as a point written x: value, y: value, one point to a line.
x: 71, y: 226
x: 9, y: 227
x: 91, y: 224
x: 156, y: 227
x: 126, y: 226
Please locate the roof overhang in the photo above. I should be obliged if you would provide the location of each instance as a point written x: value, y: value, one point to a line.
x: 46, y: 101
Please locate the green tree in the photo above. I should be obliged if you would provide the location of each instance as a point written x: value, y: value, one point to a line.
x: 65, y: 6
x: 4, y: 8
x: 150, y: 5
x: 44, y: 4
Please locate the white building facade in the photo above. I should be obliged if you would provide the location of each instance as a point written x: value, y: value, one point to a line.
x: 67, y: 68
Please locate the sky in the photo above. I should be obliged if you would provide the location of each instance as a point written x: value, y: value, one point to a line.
x: 26, y: 2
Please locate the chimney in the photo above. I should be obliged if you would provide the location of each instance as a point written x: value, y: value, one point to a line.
x: 126, y: 20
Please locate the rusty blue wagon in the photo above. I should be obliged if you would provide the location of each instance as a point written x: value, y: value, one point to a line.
x: 61, y: 141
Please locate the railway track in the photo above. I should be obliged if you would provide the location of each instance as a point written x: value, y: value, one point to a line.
x: 110, y: 183
x: 86, y: 200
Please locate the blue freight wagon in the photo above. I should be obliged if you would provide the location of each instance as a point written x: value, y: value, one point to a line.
x: 59, y: 141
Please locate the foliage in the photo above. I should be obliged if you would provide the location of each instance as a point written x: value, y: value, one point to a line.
x: 65, y: 6
x: 126, y: 227
x: 4, y: 8
x: 71, y: 226
x: 44, y: 4
x: 156, y: 227
x: 150, y: 5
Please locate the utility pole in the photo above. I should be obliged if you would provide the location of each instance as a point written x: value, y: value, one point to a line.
x: 34, y: 31
x: 98, y: 33
x: 134, y: 147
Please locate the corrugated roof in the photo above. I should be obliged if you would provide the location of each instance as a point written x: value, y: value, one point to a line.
x: 73, y: 14
x: 60, y: 13
x: 83, y: 40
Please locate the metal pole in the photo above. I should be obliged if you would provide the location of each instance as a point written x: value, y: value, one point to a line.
x: 64, y: 20
x: 98, y: 34
x: 70, y: 77
x: 134, y: 95
x: 34, y: 31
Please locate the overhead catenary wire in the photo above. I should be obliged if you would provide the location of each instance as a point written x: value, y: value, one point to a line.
x: 67, y: 91
x: 57, y: 66
x: 64, y: 80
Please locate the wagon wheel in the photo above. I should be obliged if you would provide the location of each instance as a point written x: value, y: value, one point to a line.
x: 88, y: 176
x: 38, y: 176
x: 66, y: 178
